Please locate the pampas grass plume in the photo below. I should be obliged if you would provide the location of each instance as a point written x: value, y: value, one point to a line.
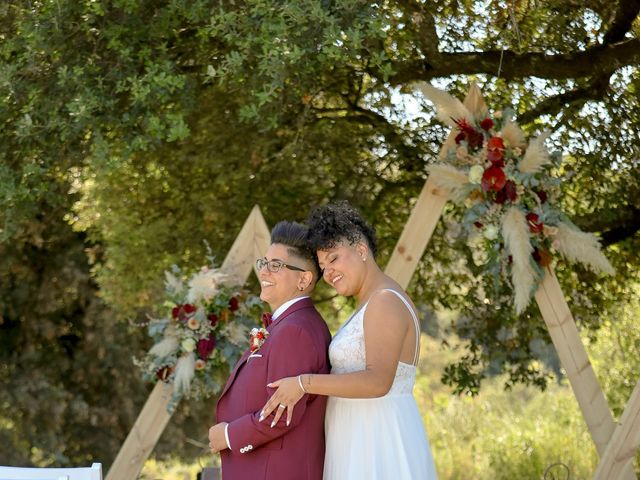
x: 447, y: 106
x: 450, y: 179
x: 513, y: 135
x: 185, y: 370
x: 578, y: 246
x: 536, y: 155
x: 165, y: 347
x: 516, y: 235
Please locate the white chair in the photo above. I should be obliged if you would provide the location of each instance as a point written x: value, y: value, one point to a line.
x: 94, y: 472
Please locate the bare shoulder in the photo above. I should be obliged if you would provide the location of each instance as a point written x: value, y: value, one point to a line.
x: 385, y: 306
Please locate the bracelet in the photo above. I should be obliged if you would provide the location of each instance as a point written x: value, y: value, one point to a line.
x: 300, y: 383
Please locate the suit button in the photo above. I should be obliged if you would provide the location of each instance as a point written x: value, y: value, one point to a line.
x: 242, y: 450
x: 250, y: 447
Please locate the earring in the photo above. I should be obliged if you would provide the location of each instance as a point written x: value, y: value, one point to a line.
x: 364, y: 259
x: 301, y: 288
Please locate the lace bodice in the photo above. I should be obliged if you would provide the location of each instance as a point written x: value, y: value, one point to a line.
x: 347, y: 353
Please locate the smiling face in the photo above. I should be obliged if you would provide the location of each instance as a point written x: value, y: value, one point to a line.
x: 343, y: 267
x: 281, y: 286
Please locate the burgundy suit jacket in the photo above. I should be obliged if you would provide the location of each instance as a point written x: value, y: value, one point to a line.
x: 297, y: 343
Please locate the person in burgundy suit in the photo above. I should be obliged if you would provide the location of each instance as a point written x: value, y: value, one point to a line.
x: 296, y: 343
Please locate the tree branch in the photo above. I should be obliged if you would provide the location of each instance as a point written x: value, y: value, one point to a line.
x: 612, y: 231
x: 593, y: 61
x: 623, y: 20
x: 553, y: 105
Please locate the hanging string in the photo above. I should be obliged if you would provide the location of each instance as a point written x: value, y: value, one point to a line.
x: 514, y: 26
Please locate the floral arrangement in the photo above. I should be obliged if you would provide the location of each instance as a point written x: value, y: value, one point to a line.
x: 504, y: 182
x: 202, y: 334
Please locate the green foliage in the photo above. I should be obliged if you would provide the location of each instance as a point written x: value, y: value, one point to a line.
x: 616, y: 353
x: 498, y: 434
x: 505, y: 435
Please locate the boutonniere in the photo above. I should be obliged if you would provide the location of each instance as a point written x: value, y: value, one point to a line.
x: 257, y: 338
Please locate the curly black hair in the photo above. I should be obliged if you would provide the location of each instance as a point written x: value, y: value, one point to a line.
x: 293, y: 236
x: 330, y: 224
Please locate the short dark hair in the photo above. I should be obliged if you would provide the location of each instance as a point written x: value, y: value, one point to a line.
x: 294, y: 236
x: 335, y: 222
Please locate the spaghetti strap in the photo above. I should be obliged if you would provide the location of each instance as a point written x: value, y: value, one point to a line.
x: 416, y: 324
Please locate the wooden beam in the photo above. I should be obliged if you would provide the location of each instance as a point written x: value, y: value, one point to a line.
x: 566, y: 339
x: 623, y: 446
x: 251, y: 243
x: 416, y: 234
x: 144, y: 435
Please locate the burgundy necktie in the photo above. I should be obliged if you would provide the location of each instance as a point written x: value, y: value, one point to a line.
x: 267, y: 319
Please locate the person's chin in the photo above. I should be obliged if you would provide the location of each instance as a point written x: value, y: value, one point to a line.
x: 264, y: 296
x: 340, y: 289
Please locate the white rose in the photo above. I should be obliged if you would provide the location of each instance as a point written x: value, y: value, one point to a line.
x: 475, y: 174
x: 188, y: 344
x: 490, y: 232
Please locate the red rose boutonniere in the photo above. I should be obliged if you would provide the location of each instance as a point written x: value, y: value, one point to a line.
x: 257, y: 338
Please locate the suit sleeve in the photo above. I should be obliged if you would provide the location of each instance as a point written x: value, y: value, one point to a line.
x: 292, y: 353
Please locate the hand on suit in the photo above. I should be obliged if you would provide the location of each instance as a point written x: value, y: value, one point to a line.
x: 217, y: 439
x: 288, y: 393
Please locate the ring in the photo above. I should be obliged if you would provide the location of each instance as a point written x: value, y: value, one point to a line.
x: 281, y: 406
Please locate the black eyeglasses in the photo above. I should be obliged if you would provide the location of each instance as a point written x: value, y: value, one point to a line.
x: 274, y: 266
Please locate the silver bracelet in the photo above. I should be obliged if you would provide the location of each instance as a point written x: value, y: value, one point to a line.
x: 300, y: 383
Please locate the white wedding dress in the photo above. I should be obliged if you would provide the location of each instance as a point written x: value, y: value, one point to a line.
x: 374, y: 438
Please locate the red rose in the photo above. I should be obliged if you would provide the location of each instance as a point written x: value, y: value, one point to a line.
x: 478, y: 224
x: 542, y: 195
x: 535, y: 225
x: 475, y: 139
x: 188, y: 308
x: 204, y: 347
x: 460, y: 137
x: 182, y: 312
x: 496, y: 158
x: 213, y: 318
x: 233, y: 304
x: 494, y: 179
x: 486, y: 124
x: 511, y: 190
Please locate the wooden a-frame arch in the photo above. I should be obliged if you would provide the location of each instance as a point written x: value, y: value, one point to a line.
x: 616, y: 444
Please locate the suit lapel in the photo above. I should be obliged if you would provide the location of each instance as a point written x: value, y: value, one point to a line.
x: 300, y: 304
x: 232, y: 377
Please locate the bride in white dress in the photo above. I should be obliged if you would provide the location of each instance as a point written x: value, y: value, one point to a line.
x: 373, y: 427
